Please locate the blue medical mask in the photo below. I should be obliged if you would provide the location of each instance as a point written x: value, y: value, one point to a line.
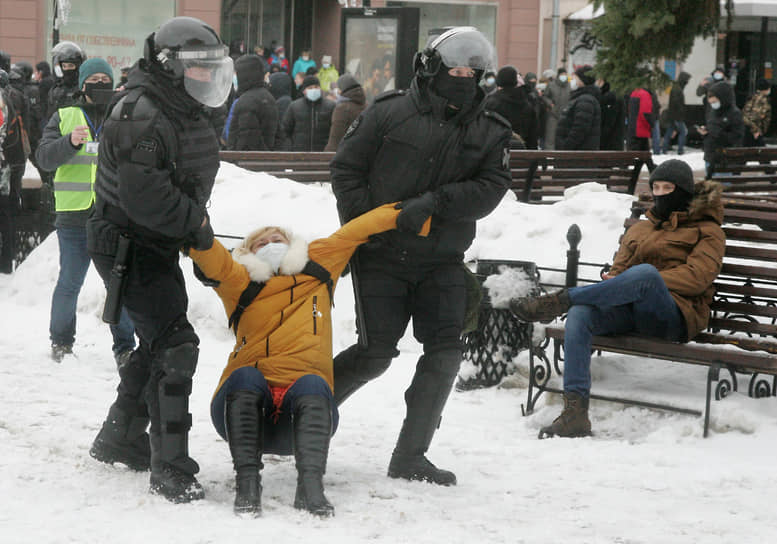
x: 325, y: 65
x: 273, y: 253
x: 312, y: 94
x: 490, y: 81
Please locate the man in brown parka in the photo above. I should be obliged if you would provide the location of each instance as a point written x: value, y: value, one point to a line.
x: 660, y: 285
x: 350, y: 103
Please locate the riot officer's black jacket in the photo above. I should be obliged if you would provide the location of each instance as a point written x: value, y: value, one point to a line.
x: 158, y: 161
x: 403, y: 146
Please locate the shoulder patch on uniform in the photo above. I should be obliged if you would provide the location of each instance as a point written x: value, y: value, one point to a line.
x: 352, y: 127
x: 498, y: 118
x: 390, y: 94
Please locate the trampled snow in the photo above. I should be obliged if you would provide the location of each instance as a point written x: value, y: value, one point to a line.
x: 644, y: 477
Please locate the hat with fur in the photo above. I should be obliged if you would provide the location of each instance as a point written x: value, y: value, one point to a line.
x: 261, y: 271
x: 674, y: 171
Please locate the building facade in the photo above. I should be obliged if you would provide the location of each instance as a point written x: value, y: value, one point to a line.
x: 116, y: 30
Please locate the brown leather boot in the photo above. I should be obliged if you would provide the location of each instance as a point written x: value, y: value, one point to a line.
x: 544, y: 308
x: 573, y: 421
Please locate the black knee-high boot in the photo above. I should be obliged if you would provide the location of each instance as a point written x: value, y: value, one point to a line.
x: 244, y: 420
x: 312, y: 430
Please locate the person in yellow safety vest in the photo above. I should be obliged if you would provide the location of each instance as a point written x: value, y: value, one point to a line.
x: 70, y: 146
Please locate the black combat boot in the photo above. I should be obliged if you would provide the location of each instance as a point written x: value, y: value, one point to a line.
x: 545, y: 308
x: 425, y: 399
x: 312, y: 427
x: 172, y: 470
x: 244, y: 419
x: 573, y: 421
x: 123, y: 439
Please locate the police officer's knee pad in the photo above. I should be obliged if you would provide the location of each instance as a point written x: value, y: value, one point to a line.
x: 179, y: 362
x: 442, y: 359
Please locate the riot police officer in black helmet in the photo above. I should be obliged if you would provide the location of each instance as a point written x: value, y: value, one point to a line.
x: 437, y: 151
x: 66, y: 58
x: 157, y: 165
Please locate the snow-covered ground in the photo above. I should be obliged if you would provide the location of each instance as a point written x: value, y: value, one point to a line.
x: 645, y: 477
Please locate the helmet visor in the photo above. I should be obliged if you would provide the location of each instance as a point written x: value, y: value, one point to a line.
x: 208, y: 80
x: 466, y: 46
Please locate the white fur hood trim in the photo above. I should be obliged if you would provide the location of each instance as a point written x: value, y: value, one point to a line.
x: 261, y: 271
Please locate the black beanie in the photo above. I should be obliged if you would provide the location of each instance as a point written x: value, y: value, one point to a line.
x: 762, y: 84
x: 309, y: 81
x: 507, y: 77
x: 674, y: 171
x: 585, y: 74
x: 346, y: 82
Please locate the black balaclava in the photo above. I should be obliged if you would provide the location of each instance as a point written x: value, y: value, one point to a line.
x: 676, y: 201
x: 98, y: 98
x: 679, y: 173
x: 458, y: 91
x: 70, y: 78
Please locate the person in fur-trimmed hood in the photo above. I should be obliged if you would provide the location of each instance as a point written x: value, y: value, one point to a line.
x: 275, y: 394
x: 660, y: 285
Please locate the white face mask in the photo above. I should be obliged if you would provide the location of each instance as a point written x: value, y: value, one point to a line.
x: 562, y: 78
x: 325, y: 65
x: 541, y: 86
x: 715, y: 105
x: 573, y: 84
x: 717, y: 76
x: 273, y: 253
x: 305, y: 57
x: 490, y: 81
x: 312, y: 94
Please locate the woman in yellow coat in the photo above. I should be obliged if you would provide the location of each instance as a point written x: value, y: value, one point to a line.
x: 275, y: 394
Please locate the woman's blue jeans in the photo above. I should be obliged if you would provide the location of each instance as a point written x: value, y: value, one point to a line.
x: 73, y: 264
x: 636, y: 300
x: 277, y: 425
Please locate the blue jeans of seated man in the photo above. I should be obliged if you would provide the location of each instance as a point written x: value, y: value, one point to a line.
x: 636, y: 300
x: 682, y: 133
x: 277, y: 432
x: 73, y: 265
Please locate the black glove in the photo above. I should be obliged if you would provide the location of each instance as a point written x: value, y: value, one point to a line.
x: 415, y: 211
x: 201, y: 239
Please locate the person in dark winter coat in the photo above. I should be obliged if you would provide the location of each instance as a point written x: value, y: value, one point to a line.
x: 511, y: 101
x: 675, y: 114
x: 724, y: 126
x: 253, y: 119
x: 613, y: 119
x: 35, y: 110
x: 12, y: 163
x: 580, y: 125
x: 280, y: 88
x: 45, y: 81
x: 558, y: 94
x: 350, y: 103
x: 159, y: 156
x: 306, y: 124
x: 69, y: 142
x: 660, y: 285
x: 437, y: 150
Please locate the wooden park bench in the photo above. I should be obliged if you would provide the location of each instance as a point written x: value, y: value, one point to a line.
x: 747, y: 170
x: 543, y: 176
x: 742, y: 333
x: 538, y: 176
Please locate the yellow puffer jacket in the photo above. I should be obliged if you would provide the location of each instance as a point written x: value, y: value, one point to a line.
x: 287, y: 331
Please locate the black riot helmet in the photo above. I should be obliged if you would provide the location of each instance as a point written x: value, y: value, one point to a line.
x: 3, y: 79
x: 25, y: 68
x: 188, y: 51
x: 458, y: 46
x: 66, y: 52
